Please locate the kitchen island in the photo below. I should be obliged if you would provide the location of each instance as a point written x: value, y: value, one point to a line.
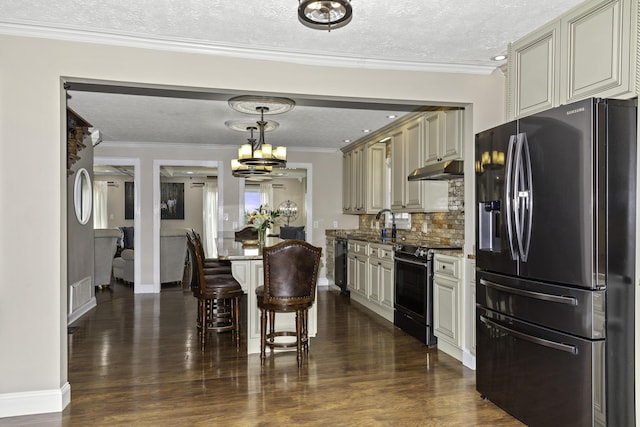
x: 247, y: 269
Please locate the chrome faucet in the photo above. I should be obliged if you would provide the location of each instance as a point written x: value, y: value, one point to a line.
x: 393, y: 221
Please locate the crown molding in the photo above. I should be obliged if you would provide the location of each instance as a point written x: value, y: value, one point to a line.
x: 185, y: 145
x: 76, y: 34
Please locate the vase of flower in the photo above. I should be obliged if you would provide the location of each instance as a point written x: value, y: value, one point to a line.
x: 262, y: 236
x: 261, y: 219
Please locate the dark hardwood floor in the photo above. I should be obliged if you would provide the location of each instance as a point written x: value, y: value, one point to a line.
x: 135, y: 361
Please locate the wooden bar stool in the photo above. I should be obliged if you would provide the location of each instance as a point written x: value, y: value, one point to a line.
x: 218, y: 300
x: 290, y: 279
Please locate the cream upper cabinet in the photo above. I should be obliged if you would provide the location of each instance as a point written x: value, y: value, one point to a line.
x: 442, y: 133
x: 535, y: 71
x: 599, y: 48
x: 413, y: 159
x: 398, y: 175
x: 364, y: 180
x: 590, y: 51
x: 346, y: 182
x: 376, y: 177
x: 407, y: 154
x: 358, y: 180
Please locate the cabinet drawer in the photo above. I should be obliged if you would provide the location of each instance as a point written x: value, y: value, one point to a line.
x: 357, y: 247
x: 445, y: 265
x: 383, y: 252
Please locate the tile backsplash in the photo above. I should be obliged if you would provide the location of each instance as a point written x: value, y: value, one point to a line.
x: 446, y: 228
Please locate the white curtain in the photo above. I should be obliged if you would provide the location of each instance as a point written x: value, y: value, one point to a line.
x: 266, y: 196
x: 100, y: 214
x: 210, y: 219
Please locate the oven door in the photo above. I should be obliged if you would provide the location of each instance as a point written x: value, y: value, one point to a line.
x: 411, y: 293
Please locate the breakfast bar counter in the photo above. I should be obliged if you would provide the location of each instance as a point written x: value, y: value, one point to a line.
x: 247, y: 269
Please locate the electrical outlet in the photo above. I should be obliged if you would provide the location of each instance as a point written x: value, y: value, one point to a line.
x: 424, y: 228
x: 335, y: 224
x: 234, y: 225
x: 315, y: 224
x: 226, y: 216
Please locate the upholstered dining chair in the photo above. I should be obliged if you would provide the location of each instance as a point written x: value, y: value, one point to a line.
x: 218, y: 300
x: 290, y: 280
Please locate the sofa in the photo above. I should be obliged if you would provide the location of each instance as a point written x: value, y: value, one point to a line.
x: 105, y: 241
x: 296, y: 233
x: 173, y: 254
x: 123, y: 266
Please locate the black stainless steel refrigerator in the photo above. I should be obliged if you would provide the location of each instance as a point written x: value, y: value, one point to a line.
x: 555, y: 253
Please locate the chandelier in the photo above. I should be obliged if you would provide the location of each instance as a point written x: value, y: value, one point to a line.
x: 243, y: 171
x: 257, y: 157
x: 324, y: 14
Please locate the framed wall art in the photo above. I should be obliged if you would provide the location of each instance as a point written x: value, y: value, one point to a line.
x: 171, y: 200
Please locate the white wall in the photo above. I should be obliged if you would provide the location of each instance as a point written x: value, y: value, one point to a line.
x: 32, y: 131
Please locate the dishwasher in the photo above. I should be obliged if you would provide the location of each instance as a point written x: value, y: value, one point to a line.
x: 340, y: 274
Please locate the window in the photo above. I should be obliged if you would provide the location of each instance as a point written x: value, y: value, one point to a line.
x: 251, y: 197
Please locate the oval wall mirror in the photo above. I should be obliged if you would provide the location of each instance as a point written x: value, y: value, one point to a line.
x: 82, y: 196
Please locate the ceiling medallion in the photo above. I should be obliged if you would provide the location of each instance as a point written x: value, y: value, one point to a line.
x: 249, y: 104
x: 245, y: 125
x: 324, y: 14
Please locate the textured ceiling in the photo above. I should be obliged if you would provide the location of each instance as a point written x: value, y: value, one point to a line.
x: 414, y: 31
x: 453, y: 35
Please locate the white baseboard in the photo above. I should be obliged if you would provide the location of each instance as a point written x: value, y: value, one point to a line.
x: 81, y: 311
x: 34, y: 402
x: 450, y: 349
x: 469, y: 360
x: 146, y: 289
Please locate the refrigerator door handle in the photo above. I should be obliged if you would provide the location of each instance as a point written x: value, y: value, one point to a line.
x: 528, y: 198
x: 535, y: 340
x: 530, y: 294
x: 523, y: 197
x: 508, y: 197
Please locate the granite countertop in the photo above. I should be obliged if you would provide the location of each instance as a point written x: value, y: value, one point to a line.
x: 375, y: 238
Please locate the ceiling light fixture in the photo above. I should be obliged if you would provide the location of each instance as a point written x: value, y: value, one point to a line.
x: 499, y: 57
x: 324, y: 14
x: 243, y: 171
x: 257, y: 157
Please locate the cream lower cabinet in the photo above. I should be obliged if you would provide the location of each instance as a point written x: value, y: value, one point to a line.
x: 357, y: 254
x: 329, y: 258
x: 370, y: 276
x: 472, y: 290
x: 447, y: 311
x: 381, y: 280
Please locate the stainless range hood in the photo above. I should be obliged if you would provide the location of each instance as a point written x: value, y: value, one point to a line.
x: 440, y: 171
